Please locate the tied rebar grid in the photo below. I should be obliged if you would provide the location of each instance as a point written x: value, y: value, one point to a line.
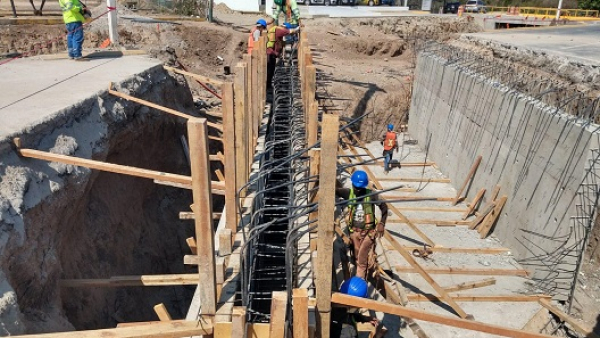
x: 280, y: 204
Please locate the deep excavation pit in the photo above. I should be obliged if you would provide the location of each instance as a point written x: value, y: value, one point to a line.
x: 79, y: 223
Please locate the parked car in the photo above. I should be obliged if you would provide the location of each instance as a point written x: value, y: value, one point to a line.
x: 368, y: 2
x: 451, y: 7
x: 475, y: 6
x: 323, y: 2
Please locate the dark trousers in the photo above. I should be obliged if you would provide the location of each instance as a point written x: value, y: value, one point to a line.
x: 271, y: 62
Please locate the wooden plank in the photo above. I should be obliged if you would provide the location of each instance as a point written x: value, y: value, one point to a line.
x: 458, y: 250
x: 300, y: 308
x: 240, y: 121
x: 191, y: 242
x: 418, y: 198
x: 228, y: 104
x: 471, y: 285
x: 190, y: 215
x: 491, y: 219
x: 278, y: 312
x: 479, y: 298
x: 220, y: 176
x: 159, y: 107
x: 488, y: 208
x: 327, y: 179
x: 399, y: 310
x: 254, y: 98
x: 470, y: 176
x: 112, y: 168
x: 139, y: 280
x: 495, y: 193
x: 238, y: 322
x: 189, y: 186
x: 414, y: 179
x: 443, y: 294
x: 162, y: 313
x: 466, y: 271
x: 201, y: 78
x: 203, y: 219
x: 174, y: 329
x: 431, y: 221
x: 433, y: 209
x: 315, y: 157
x: 225, y: 242
x: 573, y: 323
x: 407, y: 164
x: 312, y: 128
x: 249, y: 114
x: 474, y: 204
x: 538, y: 321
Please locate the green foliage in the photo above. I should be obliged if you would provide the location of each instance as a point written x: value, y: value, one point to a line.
x: 589, y: 4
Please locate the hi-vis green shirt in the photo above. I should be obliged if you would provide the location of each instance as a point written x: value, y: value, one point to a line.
x: 71, y: 10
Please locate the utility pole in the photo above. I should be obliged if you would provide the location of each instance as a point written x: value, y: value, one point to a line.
x: 113, y: 33
x: 210, y: 10
x: 558, y: 10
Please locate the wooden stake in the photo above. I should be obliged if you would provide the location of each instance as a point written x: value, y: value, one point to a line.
x: 255, y: 102
x: 220, y: 176
x: 205, y: 237
x: 398, y: 247
x: 238, y: 322
x: 474, y: 204
x: 414, y: 179
x: 578, y: 327
x: 466, y: 271
x: 471, y: 285
x: 278, y: 312
x: 468, y: 179
x: 437, y: 222
x: 418, y: 198
x: 398, y: 310
x: 478, y: 298
x: 327, y: 179
x: 485, y: 212
x: 162, y: 313
x: 173, y: 329
x: 113, y: 168
x: 249, y: 115
x: 191, y: 242
x: 300, y: 307
x: 228, y: 104
x: 241, y: 136
x: 312, y: 123
x: 225, y: 242
x: 490, y: 219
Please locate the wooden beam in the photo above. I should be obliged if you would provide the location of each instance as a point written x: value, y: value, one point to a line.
x: 162, y: 313
x: 466, y: 271
x: 407, y: 164
x: 491, y: 219
x: 174, y: 329
x: 241, y: 131
x: 230, y: 167
x: 220, y: 176
x: 488, y: 208
x: 300, y: 308
x: 112, y: 168
x: 238, y: 322
x: 312, y: 128
x: 467, y: 180
x: 418, y: 198
x: 479, y: 298
x: 470, y: 285
x: 538, y: 321
x: 573, y: 323
x: 191, y: 242
x: 158, y: 107
x: 203, y: 79
x: 495, y: 193
x: 254, y: 99
x: 434, y: 209
x: 480, y: 251
x: 225, y: 242
x: 203, y: 219
x: 278, y: 312
x: 399, y: 310
x: 414, y: 179
x: 327, y: 179
x: 249, y: 114
x: 140, y: 280
x: 474, y: 204
x: 443, y: 294
x: 438, y: 222
x: 187, y: 186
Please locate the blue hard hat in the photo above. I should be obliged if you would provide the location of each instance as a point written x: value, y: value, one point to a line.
x: 390, y: 126
x: 356, y: 287
x: 261, y: 22
x: 288, y: 25
x: 360, y: 179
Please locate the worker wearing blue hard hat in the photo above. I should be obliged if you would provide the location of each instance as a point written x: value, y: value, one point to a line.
x: 255, y: 33
x: 344, y: 320
x: 390, y: 142
x: 362, y: 222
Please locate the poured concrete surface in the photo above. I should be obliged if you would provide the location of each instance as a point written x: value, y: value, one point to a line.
x: 36, y: 89
x: 578, y: 43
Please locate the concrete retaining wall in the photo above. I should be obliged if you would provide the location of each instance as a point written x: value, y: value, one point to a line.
x: 544, y: 160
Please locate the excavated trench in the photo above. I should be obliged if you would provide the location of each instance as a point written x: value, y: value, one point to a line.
x: 94, y: 224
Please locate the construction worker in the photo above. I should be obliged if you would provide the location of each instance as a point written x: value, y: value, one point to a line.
x: 275, y: 35
x: 362, y: 224
x: 390, y: 142
x: 255, y: 33
x: 290, y: 10
x: 344, y: 320
x: 74, y: 15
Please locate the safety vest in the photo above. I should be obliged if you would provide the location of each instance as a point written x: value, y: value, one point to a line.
x: 390, y: 141
x: 361, y: 215
x: 251, y: 40
x: 272, y: 39
x: 71, y: 10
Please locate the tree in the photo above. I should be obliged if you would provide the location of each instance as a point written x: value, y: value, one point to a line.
x: 589, y: 4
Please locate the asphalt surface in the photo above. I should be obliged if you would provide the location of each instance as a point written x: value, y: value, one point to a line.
x: 578, y: 43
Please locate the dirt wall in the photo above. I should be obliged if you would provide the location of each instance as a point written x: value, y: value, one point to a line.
x: 59, y: 221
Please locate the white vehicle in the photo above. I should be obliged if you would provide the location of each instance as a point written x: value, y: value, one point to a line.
x: 475, y: 6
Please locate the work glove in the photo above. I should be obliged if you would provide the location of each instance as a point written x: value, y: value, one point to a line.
x: 380, y: 229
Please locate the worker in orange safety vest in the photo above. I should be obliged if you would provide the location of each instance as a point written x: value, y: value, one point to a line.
x: 255, y: 33
x: 390, y: 142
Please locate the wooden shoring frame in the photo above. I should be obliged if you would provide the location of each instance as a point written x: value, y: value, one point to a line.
x: 240, y: 123
x: 228, y: 104
x: 249, y: 111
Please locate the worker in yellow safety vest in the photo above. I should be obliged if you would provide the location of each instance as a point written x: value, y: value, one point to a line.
x: 290, y: 10
x: 74, y: 14
x: 275, y: 35
x: 255, y: 33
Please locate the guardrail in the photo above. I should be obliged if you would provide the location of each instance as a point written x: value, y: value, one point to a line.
x: 549, y: 12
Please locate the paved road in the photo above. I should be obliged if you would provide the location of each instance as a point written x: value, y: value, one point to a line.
x: 580, y: 43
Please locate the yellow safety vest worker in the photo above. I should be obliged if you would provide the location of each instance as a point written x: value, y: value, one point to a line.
x: 71, y: 10
x: 361, y: 215
x: 272, y: 38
